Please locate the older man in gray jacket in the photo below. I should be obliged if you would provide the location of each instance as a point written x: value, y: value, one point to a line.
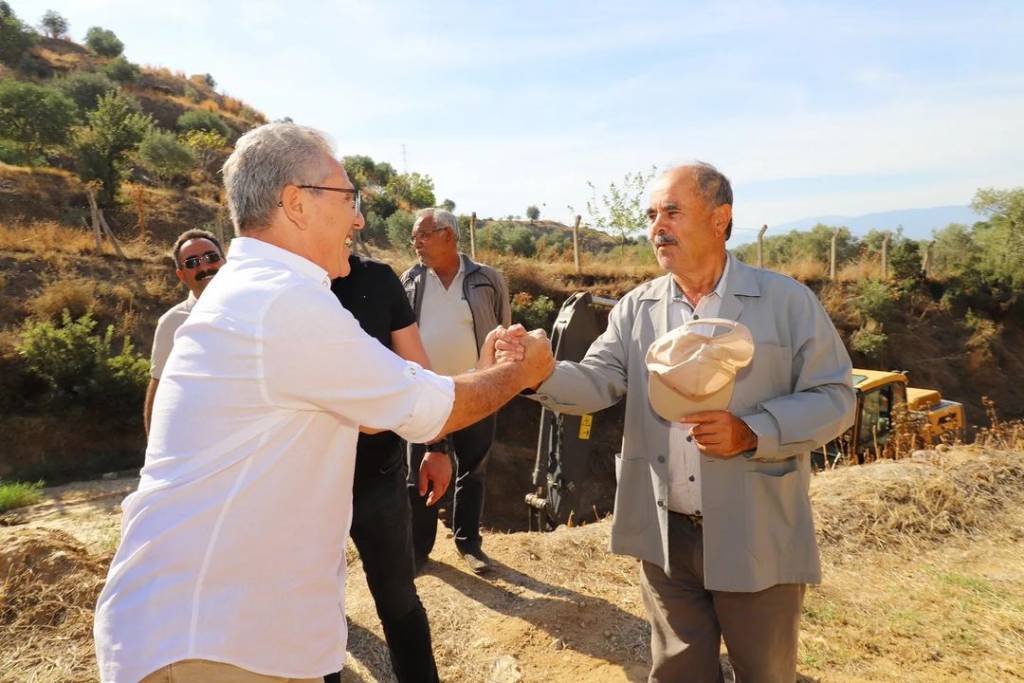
x: 716, y: 505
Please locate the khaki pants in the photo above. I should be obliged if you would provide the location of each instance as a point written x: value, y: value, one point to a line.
x: 761, y: 630
x: 203, y: 671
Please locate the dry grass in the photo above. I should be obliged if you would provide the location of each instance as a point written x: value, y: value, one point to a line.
x: 48, y: 588
x: 51, y: 237
x: 858, y: 270
x: 804, y: 270
x: 77, y: 296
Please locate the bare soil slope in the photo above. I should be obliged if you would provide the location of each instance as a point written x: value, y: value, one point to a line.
x: 924, y: 573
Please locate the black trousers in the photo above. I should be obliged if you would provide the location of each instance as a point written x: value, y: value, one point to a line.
x: 382, y: 534
x: 469, y: 447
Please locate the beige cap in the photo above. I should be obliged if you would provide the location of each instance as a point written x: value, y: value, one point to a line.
x: 691, y: 372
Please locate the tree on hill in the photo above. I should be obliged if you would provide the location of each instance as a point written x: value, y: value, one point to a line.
x: 103, y: 42
x: 206, y: 147
x: 448, y: 205
x: 533, y: 213
x: 54, y: 24
x: 85, y: 88
x: 399, y: 229
x: 1001, y: 237
x: 15, y: 36
x: 412, y: 189
x: 622, y: 208
x: 115, y: 129
x: 34, y: 116
x: 162, y: 154
x: 198, y: 119
x: 122, y: 71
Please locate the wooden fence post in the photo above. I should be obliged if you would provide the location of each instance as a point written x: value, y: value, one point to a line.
x: 760, y: 245
x: 926, y: 260
x: 472, y: 236
x: 832, y: 255
x: 576, y: 244
x: 885, y: 256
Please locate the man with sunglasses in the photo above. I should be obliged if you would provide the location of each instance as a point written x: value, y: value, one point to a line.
x: 197, y: 257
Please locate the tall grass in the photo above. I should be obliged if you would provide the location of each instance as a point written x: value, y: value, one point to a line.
x: 16, y: 494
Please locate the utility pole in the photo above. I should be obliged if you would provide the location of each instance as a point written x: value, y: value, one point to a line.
x: 576, y: 244
x: 760, y: 245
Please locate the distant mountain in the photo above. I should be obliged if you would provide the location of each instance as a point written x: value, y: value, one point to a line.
x: 917, y: 224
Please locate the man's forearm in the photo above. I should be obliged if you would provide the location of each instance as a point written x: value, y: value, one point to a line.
x: 481, y: 393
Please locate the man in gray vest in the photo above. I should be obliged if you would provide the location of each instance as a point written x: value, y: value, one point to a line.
x: 197, y: 256
x: 456, y: 302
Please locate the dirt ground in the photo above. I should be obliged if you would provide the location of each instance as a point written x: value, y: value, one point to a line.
x: 924, y: 581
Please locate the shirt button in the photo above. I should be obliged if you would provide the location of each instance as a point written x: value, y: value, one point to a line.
x: 661, y: 503
x: 697, y: 512
x: 689, y: 437
x: 691, y: 477
x: 661, y: 458
x: 696, y: 317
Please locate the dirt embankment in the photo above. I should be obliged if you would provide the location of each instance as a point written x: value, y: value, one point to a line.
x: 924, y: 573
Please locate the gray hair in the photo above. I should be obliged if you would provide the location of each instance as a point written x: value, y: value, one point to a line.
x: 265, y: 160
x: 714, y: 187
x: 442, y: 219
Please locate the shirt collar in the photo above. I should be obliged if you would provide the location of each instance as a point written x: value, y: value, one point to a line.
x: 244, y: 248
x: 460, y: 271
x: 677, y: 293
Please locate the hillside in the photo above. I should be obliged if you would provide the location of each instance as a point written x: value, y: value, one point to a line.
x: 917, y: 224
x: 923, y: 577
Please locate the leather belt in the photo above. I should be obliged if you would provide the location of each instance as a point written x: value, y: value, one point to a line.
x: 696, y: 520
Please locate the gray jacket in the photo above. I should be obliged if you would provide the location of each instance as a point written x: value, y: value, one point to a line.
x: 795, y: 395
x: 483, y: 288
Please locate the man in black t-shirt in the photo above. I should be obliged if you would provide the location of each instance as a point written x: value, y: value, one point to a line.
x: 381, y: 518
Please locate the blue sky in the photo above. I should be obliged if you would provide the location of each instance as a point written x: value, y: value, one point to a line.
x: 810, y: 108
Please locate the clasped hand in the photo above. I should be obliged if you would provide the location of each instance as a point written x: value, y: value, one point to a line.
x: 531, y: 350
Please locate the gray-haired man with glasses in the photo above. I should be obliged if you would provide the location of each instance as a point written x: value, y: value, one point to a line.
x: 457, y: 302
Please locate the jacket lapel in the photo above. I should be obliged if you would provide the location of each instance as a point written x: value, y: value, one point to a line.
x: 740, y: 282
x: 658, y: 296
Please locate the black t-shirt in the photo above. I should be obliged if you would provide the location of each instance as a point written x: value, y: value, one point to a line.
x: 374, y: 296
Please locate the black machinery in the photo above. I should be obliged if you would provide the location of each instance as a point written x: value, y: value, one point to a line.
x: 574, y: 473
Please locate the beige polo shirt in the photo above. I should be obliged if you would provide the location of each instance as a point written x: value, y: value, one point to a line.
x: 446, y: 325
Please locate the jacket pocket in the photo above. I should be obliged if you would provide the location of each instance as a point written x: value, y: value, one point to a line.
x: 778, y: 514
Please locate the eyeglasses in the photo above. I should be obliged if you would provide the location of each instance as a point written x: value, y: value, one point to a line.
x: 192, y: 262
x: 420, y: 236
x: 356, y: 199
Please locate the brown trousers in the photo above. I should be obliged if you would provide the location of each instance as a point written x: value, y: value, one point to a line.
x: 761, y: 630
x: 203, y: 671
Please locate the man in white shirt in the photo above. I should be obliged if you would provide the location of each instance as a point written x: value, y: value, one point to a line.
x: 226, y: 570
x: 197, y: 256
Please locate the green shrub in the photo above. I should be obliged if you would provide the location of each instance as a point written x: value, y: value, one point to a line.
x: 35, y: 116
x: 80, y: 368
x: 16, y: 494
x: 54, y: 24
x: 85, y: 88
x: 533, y: 313
x: 874, y: 300
x: 198, y: 119
x: 15, y: 36
x: 870, y: 343
x: 103, y: 42
x: 399, y: 229
x: 161, y: 153
x: 192, y: 94
x: 122, y: 71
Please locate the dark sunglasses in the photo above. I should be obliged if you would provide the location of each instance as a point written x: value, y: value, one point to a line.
x: 192, y: 262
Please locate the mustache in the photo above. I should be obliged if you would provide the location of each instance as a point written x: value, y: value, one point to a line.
x: 205, y: 275
x: 664, y: 240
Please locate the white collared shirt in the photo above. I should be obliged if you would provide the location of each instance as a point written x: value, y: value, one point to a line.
x: 446, y: 324
x: 233, y: 547
x: 163, y: 338
x: 683, y: 454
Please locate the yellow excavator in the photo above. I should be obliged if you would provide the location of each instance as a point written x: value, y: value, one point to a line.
x: 883, y: 399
